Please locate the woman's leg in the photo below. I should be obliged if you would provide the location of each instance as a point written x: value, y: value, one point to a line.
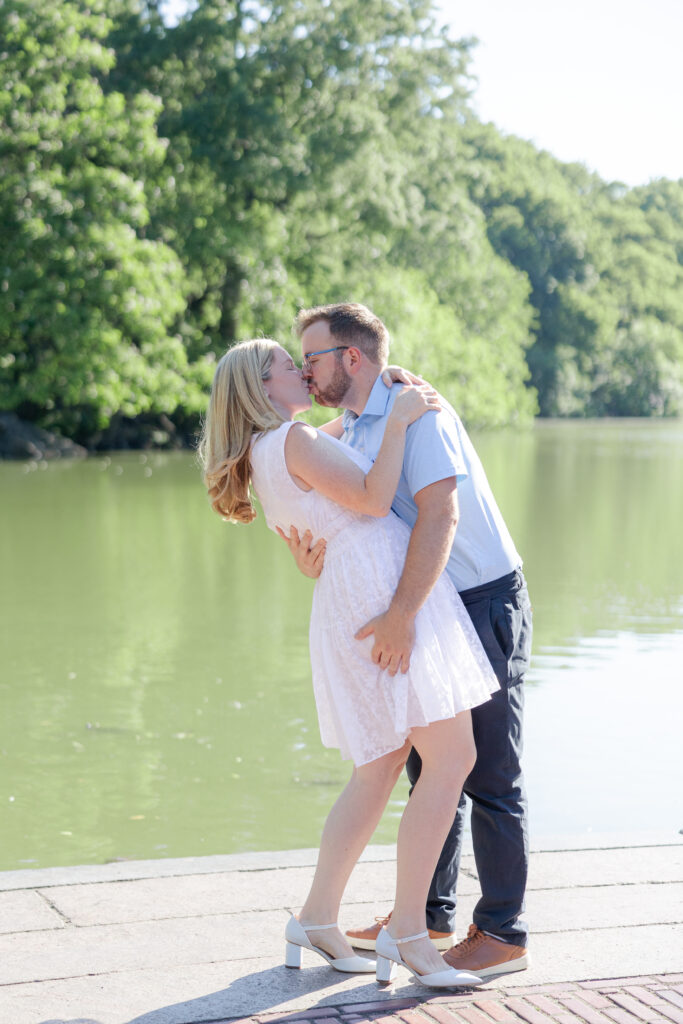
x: 349, y: 826
x: 448, y: 755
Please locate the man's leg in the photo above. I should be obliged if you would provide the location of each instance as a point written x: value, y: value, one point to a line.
x: 501, y: 614
x: 495, y: 786
x: 499, y: 817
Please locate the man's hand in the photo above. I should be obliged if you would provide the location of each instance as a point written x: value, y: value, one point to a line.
x: 309, y: 557
x: 394, y: 640
x: 428, y: 551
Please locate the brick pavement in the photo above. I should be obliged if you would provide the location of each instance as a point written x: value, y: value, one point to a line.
x: 654, y: 999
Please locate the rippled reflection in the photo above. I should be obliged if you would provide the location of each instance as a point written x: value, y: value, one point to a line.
x: 155, y: 682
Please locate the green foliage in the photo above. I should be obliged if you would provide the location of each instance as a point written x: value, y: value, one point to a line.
x: 605, y: 269
x: 483, y: 377
x: 87, y: 298
x: 166, y: 191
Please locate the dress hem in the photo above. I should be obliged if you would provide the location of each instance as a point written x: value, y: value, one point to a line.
x: 390, y: 750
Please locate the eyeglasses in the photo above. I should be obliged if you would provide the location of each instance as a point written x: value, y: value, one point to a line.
x: 306, y: 361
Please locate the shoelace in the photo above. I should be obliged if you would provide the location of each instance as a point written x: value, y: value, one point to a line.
x: 474, y: 939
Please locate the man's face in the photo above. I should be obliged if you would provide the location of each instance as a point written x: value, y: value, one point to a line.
x: 325, y: 373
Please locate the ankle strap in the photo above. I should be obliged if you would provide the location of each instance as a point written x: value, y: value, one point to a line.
x: 411, y: 938
x: 319, y: 927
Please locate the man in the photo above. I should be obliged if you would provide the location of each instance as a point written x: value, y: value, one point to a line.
x: 443, y: 485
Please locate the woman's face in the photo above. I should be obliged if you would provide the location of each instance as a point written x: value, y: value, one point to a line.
x: 285, y: 386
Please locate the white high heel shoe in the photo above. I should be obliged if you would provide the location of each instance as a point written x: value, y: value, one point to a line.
x: 297, y: 939
x: 388, y: 956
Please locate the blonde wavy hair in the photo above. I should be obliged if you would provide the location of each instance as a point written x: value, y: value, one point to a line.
x: 238, y: 408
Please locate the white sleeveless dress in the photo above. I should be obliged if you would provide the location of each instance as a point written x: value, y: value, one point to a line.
x: 363, y: 710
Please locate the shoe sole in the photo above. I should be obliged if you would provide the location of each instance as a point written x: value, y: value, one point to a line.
x: 520, y: 964
x: 441, y: 944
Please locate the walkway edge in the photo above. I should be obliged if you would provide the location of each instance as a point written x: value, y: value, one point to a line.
x: 127, y: 871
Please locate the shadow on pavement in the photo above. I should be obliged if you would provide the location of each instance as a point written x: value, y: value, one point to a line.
x: 72, y: 1020
x: 258, y: 993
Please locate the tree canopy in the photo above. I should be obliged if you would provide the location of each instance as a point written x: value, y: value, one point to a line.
x: 166, y: 191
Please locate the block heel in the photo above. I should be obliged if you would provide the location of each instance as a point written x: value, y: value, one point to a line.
x: 384, y: 970
x: 297, y: 939
x: 292, y: 955
x: 388, y: 952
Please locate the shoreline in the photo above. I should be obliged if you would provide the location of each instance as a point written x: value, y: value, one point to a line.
x: 23, y: 441
x: 265, y: 860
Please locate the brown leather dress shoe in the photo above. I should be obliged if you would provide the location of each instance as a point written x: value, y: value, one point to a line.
x: 365, y: 938
x: 483, y: 955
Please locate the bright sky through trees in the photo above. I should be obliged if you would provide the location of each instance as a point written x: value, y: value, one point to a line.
x: 595, y: 81
x: 598, y: 81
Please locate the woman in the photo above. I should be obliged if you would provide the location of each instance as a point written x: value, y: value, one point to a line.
x: 307, y: 478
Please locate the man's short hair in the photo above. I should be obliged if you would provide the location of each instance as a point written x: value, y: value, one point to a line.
x: 350, y: 323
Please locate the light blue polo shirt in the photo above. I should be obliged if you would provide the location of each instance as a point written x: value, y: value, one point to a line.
x: 437, y: 447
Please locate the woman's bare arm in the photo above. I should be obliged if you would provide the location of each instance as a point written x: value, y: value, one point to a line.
x: 335, y: 427
x: 314, y: 461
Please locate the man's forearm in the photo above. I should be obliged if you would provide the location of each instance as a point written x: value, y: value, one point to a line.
x: 427, y: 556
x: 428, y: 551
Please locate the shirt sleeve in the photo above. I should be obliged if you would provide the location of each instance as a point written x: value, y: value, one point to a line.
x: 433, y: 451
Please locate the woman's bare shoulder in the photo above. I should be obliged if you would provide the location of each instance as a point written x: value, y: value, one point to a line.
x: 301, y: 435
x: 309, y: 447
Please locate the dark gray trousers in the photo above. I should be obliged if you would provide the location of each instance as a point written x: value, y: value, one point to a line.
x: 501, y: 614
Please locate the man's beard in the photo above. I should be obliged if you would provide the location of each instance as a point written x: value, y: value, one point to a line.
x: 333, y: 395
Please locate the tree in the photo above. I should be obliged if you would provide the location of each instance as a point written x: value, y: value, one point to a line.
x: 86, y: 297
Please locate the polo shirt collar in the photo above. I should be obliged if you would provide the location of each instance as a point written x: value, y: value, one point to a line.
x: 376, y: 405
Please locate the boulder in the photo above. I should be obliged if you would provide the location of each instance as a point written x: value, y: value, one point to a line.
x: 21, y: 440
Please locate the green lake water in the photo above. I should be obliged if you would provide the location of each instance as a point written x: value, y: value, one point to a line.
x: 154, y: 677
